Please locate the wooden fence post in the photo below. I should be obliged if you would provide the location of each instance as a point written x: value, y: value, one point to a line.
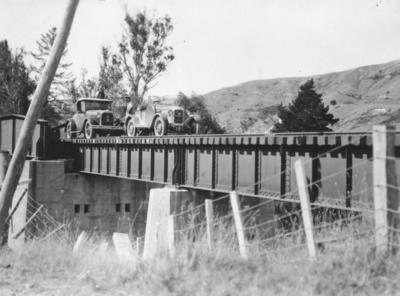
x: 386, y: 194
x: 305, y: 206
x: 237, y: 216
x: 138, y: 246
x: 210, y: 222
x: 171, y: 235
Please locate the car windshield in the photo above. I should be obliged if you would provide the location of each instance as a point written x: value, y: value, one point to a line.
x: 164, y: 102
x: 96, y: 105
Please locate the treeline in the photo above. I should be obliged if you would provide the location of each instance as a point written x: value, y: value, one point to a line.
x: 127, y: 71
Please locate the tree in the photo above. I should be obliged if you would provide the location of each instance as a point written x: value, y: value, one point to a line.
x: 88, y: 87
x: 144, y: 53
x: 63, y: 77
x: 110, y: 82
x: 195, y: 104
x: 15, y: 84
x: 60, y: 87
x: 307, y: 113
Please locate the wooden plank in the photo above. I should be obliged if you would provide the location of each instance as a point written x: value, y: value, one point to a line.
x: 384, y: 174
x: 305, y: 207
x: 210, y: 222
x: 27, y: 222
x: 237, y: 216
x: 81, y: 240
x: 138, y: 246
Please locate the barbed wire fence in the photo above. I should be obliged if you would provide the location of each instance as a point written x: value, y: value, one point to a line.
x: 252, y: 226
x: 372, y: 219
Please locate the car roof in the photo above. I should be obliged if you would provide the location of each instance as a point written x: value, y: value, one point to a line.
x: 93, y: 100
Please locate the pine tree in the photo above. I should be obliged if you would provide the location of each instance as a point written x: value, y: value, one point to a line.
x: 63, y: 77
x: 306, y: 113
x: 15, y: 83
x: 60, y: 87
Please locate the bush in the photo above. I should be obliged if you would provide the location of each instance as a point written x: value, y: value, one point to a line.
x: 195, y: 104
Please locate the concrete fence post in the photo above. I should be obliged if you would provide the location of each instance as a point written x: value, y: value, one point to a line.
x: 237, y: 216
x: 305, y: 207
x: 171, y: 235
x: 386, y: 193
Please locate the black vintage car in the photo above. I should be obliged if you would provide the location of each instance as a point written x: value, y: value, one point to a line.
x: 93, y: 117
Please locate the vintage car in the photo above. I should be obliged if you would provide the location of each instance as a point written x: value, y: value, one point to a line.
x: 158, y: 116
x: 93, y: 117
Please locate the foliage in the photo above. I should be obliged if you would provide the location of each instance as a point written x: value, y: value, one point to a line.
x: 307, y: 113
x: 85, y: 88
x: 144, y: 53
x: 15, y: 84
x: 195, y: 104
x: 63, y: 77
x: 267, y: 111
x: 110, y: 75
x: 60, y: 87
x: 110, y: 83
x: 246, y: 123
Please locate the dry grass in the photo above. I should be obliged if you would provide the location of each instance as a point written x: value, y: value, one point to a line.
x: 281, y: 267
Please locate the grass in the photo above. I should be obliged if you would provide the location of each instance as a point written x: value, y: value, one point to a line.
x: 282, y: 267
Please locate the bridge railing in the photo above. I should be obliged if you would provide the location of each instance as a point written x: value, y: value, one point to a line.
x: 222, y: 163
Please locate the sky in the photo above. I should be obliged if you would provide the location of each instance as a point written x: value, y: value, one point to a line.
x: 219, y: 43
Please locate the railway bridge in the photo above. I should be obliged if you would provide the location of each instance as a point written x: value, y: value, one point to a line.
x: 104, y: 182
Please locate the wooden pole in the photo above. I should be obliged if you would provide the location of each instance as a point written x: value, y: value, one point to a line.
x: 29, y: 124
x: 305, y: 207
x: 210, y: 222
x: 237, y: 216
x: 4, y: 163
x: 386, y: 195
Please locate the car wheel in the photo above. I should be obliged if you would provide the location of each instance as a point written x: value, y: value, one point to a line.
x: 160, y: 127
x: 89, y: 133
x: 131, y: 128
x: 70, y: 130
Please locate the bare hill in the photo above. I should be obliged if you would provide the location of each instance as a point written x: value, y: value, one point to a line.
x: 359, y: 97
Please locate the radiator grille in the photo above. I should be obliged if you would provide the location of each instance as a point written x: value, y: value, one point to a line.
x: 178, y: 116
x: 107, y: 119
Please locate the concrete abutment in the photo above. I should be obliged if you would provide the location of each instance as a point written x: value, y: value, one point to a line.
x: 102, y: 203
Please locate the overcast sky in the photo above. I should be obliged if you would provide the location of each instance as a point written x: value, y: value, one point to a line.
x: 225, y: 42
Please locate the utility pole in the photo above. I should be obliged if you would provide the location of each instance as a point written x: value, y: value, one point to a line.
x: 39, y: 97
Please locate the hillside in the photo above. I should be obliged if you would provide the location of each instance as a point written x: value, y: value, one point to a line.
x: 364, y: 96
